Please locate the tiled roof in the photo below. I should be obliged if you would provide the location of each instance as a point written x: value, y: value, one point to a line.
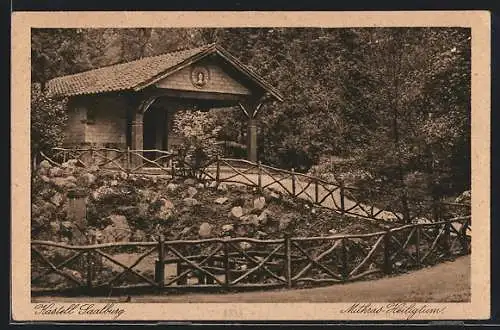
x: 138, y: 74
x: 120, y: 76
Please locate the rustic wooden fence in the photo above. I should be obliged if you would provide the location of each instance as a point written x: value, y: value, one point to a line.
x: 336, y: 196
x: 223, y: 264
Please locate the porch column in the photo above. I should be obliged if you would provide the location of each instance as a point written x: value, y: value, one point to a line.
x: 252, y: 140
x: 137, y: 136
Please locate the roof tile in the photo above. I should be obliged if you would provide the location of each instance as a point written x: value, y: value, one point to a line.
x: 119, y: 76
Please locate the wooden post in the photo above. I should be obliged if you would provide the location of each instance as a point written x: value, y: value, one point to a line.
x: 227, y: 270
x: 173, y: 170
x: 180, y: 269
x: 210, y: 280
x: 259, y: 177
x: 342, y: 197
x: 161, y: 263
x: 293, y: 182
x: 217, y: 170
x: 128, y: 161
x: 417, y: 244
x: 387, y: 253
x: 137, y: 136
x: 90, y: 270
x: 447, y: 245
x: 288, y: 260
x: 345, y: 260
x: 316, y: 191
x: 252, y: 140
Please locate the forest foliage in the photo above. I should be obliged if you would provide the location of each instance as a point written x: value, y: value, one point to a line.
x: 395, y: 101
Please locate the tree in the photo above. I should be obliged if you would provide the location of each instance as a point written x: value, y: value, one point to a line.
x: 48, y: 117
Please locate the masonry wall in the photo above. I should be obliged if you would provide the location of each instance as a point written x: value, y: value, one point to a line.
x: 75, y: 128
x: 107, y: 122
x: 99, y: 121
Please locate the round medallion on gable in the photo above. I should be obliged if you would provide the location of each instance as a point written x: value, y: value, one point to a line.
x: 200, y: 76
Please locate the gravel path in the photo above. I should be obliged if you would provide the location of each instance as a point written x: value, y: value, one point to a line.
x: 446, y: 282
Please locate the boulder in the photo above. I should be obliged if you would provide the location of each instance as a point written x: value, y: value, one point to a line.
x: 228, y: 227
x: 44, y: 164
x: 259, y: 203
x: 332, y: 231
x: 200, y: 185
x: 250, y: 219
x: 264, y: 217
x: 212, y: 184
x: 241, y: 230
x: 185, y: 231
x: 189, y: 181
x: 118, y: 230
x: 45, y: 178
x: 245, y: 245
x: 205, y: 230
x: 54, y: 227
x: 172, y: 187
x: 221, y: 200
x: 285, y: 220
x: 71, y: 179
x: 166, y: 209
x: 222, y: 187
x: 191, y: 192
x: 113, y: 183
x: 465, y: 197
x: 236, y: 212
x: 139, y: 236
x: 189, y: 201
x: 56, y: 172
x: 87, y: 179
x: 57, y: 199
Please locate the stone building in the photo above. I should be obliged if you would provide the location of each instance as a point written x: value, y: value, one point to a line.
x: 131, y: 105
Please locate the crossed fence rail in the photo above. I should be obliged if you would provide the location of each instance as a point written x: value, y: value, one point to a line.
x: 336, y: 196
x: 224, y: 264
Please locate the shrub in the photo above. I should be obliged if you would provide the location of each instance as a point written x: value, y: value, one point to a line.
x: 198, y: 131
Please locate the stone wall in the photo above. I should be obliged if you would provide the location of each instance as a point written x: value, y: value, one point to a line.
x: 99, y: 121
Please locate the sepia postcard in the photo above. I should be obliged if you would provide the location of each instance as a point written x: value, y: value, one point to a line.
x: 232, y: 166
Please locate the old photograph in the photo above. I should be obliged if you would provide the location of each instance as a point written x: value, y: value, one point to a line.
x: 262, y: 164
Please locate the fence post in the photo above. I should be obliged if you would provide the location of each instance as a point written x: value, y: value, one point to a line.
x: 345, y: 271
x: 447, y: 246
x: 160, y: 264
x: 293, y: 182
x: 173, y: 170
x: 227, y: 270
x: 387, y: 253
x: 259, y: 177
x: 128, y: 160
x: 90, y: 269
x: 417, y: 244
x: 316, y: 191
x: 180, y: 281
x: 288, y: 260
x: 342, y: 197
x: 217, y: 170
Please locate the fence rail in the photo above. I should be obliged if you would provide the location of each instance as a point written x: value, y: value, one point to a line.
x: 243, y: 263
x: 336, y: 196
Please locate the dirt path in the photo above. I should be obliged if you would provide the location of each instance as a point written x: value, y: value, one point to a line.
x: 446, y: 282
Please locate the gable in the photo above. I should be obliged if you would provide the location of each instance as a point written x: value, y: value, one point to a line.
x: 203, y: 77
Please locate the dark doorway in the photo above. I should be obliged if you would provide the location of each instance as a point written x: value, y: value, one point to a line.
x: 153, y: 131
